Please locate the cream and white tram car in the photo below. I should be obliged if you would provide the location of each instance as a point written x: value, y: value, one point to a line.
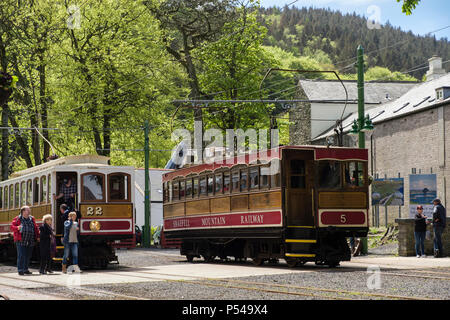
x: 104, y: 203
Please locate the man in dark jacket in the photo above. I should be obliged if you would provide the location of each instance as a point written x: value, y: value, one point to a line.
x: 26, y: 234
x: 439, y: 219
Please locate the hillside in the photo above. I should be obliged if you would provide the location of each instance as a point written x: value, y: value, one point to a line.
x: 333, y: 38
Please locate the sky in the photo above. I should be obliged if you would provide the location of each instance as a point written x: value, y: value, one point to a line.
x: 429, y: 15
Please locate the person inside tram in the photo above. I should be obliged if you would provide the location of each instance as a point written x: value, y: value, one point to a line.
x: 330, y: 174
x: 68, y: 191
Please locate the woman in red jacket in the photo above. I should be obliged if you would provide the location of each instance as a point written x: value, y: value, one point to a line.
x: 26, y: 234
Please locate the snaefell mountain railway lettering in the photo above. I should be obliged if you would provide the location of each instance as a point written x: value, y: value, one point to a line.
x: 213, y: 221
x: 181, y: 223
x: 252, y: 219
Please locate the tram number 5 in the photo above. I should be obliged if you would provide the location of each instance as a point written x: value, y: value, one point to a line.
x: 97, y: 210
x: 343, y: 218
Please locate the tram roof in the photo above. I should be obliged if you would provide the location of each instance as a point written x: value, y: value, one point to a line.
x: 265, y: 156
x: 84, y: 159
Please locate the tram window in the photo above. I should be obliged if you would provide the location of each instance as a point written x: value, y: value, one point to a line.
x: 210, y: 184
x: 254, y: 178
x: 29, y: 192
x: 329, y: 174
x: 175, y: 190
x: 202, y: 186
x: 1, y: 197
x: 226, y: 182
x: 188, y: 189
x: 218, y: 186
x: 5, y: 197
x: 235, y: 180
x: 182, y: 189
x: 297, y: 179
x: 195, y: 187
x: 49, y: 187
x: 354, y: 174
x: 43, y: 194
x: 244, y: 179
x: 118, y: 187
x: 93, y: 187
x: 36, y: 190
x: 11, y: 196
x: 275, y: 176
x: 264, y: 177
x: 164, y: 187
x: 17, y: 196
x: 169, y: 189
x: 23, y: 194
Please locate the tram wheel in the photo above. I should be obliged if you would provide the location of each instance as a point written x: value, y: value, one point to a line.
x: 190, y: 257
x: 258, y: 261
x: 273, y: 261
x: 209, y: 258
x: 292, y: 263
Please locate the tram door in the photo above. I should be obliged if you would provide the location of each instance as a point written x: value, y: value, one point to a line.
x: 66, y: 192
x: 299, y: 178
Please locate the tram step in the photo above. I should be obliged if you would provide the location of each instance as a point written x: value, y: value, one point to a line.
x: 300, y: 255
x: 57, y: 259
x: 300, y: 241
x: 300, y: 232
x: 59, y: 247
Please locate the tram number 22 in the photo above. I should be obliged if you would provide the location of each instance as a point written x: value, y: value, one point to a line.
x: 343, y: 218
x: 98, y: 211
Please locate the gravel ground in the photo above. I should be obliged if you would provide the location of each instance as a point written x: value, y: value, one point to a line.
x: 348, y: 278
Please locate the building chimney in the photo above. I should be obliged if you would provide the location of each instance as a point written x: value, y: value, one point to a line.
x: 435, y: 70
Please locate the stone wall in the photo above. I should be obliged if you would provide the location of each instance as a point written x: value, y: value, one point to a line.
x: 300, y: 117
x: 406, y: 240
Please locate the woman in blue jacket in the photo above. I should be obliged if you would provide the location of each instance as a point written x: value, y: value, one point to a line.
x: 71, y: 242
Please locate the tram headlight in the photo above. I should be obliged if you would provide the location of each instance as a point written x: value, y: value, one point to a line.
x: 95, y: 225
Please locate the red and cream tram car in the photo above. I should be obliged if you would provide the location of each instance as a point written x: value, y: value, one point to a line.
x: 104, y: 204
x: 297, y: 203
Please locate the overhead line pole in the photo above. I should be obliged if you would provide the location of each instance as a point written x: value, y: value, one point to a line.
x: 147, y: 226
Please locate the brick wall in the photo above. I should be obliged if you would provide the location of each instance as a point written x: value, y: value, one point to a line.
x: 406, y: 239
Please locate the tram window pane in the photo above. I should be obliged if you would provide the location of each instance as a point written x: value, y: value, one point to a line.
x: 218, y: 187
x: 1, y: 197
x: 298, y: 182
x: 329, y: 174
x: 118, y: 187
x: 11, y: 196
x: 29, y: 192
x: 264, y: 177
x: 297, y: 166
x: 210, y: 184
x: 235, y: 181
x: 361, y: 175
x: 169, y: 189
x: 164, y: 192
x: 36, y: 190
x: 17, y: 197
x: 188, y: 189
x: 195, y: 187
x: 254, y: 178
x: 244, y: 180
x: 93, y: 187
x: 43, y: 196
x: 275, y: 180
x: 23, y: 194
x: 275, y: 176
x: 49, y: 187
x: 203, y: 186
x: 182, y: 188
x: 175, y: 190
x: 5, y: 197
x: 226, y: 182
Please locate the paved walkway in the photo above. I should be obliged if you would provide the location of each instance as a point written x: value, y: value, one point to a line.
x: 399, y: 262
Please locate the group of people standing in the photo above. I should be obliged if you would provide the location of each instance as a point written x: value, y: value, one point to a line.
x: 420, y: 229
x: 27, y: 234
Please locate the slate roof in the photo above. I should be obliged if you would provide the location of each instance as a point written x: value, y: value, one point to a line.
x: 374, y: 92
x: 422, y: 96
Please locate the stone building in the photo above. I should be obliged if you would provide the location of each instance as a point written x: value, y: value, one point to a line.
x: 312, y: 119
x: 411, y: 136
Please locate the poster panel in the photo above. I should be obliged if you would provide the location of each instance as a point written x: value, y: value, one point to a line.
x: 388, y: 192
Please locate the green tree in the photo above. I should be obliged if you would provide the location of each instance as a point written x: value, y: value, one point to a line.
x: 409, y: 5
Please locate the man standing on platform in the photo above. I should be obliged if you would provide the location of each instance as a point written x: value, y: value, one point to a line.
x: 439, y: 217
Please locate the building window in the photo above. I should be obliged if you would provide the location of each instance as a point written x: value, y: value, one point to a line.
x: 119, y: 187
x: 93, y: 187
